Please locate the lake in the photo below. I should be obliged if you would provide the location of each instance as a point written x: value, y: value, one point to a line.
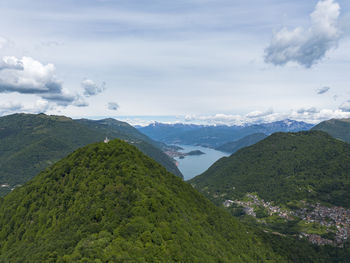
x: 197, y: 164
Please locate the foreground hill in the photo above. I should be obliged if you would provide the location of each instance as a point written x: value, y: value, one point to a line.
x: 232, y: 147
x: 215, y: 136
x: 301, y: 179
x: 285, y: 167
x: 111, y: 203
x: 29, y: 143
x: 338, y: 128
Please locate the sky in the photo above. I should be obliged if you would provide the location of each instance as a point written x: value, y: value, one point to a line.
x: 214, y: 61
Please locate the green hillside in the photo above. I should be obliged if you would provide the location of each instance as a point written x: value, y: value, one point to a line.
x: 294, y: 184
x: 111, y: 203
x: 232, y: 147
x: 284, y: 167
x: 29, y: 143
x: 338, y: 128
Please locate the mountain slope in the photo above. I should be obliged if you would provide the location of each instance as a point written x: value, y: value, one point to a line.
x: 338, y: 128
x: 29, y: 143
x: 161, y: 131
x: 117, y: 129
x: 296, y: 184
x: 215, y: 136
x: 232, y: 147
x: 284, y: 167
x: 111, y: 203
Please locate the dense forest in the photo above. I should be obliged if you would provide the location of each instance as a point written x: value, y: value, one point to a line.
x: 232, y: 147
x: 283, y: 168
x: 29, y: 143
x: 111, y: 203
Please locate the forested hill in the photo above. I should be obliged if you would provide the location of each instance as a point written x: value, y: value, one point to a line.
x: 338, y: 128
x: 284, y: 167
x: 232, y: 147
x: 29, y: 143
x: 108, y: 202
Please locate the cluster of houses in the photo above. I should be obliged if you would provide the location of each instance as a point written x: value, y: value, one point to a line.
x: 254, y: 201
x: 335, y: 216
x: 317, y: 239
x: 336, y: 219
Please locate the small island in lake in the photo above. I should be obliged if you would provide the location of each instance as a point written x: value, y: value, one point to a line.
x: 181, y: 155
x: 196, y: 152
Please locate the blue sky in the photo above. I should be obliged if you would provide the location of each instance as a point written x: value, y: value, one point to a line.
x: 219, y: 61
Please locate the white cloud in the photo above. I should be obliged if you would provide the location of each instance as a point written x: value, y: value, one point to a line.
x: 345, y: 106
x: 80, y: 101
x: 307, y: 46
x: 39, y: 106
x: 259, y: 114
x: 91, y: 88
x: 29, y: 76
x: 11, y: 63
x: 10, y: 107
x: 310, y: 115
x: 322, y: 90
x: 113, y: 106
x: 311, y: 110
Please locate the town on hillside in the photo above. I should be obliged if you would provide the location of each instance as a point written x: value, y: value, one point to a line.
x: 335, y: 220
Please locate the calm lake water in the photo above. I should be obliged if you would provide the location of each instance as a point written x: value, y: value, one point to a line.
x: 197, y: 164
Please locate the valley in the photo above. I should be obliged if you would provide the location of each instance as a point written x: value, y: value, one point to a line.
x: 174, y: 131
x: 192, y: 165
x: 285, y: 188
x: 294, y: 184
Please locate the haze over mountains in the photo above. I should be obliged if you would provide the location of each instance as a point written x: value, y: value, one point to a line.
x: 215, y: 136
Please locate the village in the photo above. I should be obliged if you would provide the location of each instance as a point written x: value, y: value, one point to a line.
x: 330, y: 217
x: 335, y: 219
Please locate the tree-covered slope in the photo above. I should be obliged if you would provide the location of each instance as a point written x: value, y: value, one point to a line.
x: 117, y: 129
x: 338, y: 128
x: 29, y: 143
x: 111, y: 203
x: 284, y: 167
x: 232, y: 147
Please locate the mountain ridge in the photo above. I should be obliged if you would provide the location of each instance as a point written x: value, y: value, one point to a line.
x: 31, y: 142
x: 232, y: 147
x: 215, y: 136
x: 338, y: 128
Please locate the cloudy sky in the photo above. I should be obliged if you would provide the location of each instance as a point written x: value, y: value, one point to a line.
x: 217, y: 61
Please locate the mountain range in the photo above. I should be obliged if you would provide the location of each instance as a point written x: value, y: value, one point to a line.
x: 215, y: 136
x: 31, y: 142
